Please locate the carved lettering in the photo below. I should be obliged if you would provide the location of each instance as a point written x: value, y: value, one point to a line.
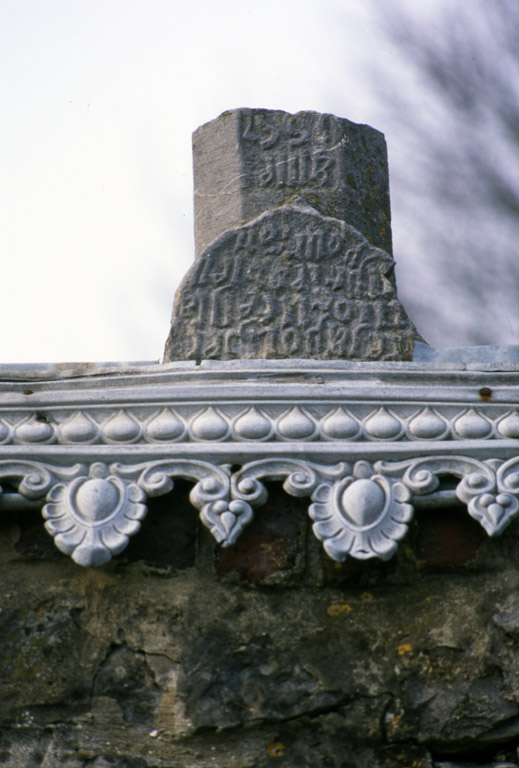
x: 315, y: 341
x: 270, y: 240
x: 297, y: 136
x: 265, y: 132
x: 326, y: 131
x: 191, y: 308
x: 283, y: 154
x: 232, y: 345
x: 245, y: 307
x: 323, y: 171
x: 267, y: 173
x: 291, y: 342
x: 248, y: 131
x: 280, y: 277
x: 212, y: 348
x: 290, y: 284
x: 296, y: 170
x: 241, y: 240
x: 202, y: 272
x: 266, y: 306
x: 341, y: 310
x: 269, y: 135
x: 221, y: 313
x: 267, y: 158
x: 190, y: 346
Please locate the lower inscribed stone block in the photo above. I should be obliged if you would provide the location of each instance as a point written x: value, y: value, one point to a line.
x: 291, y: 283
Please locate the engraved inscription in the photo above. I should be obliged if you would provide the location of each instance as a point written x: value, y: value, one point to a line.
x: 290, y: 284
x: 296, y: 170
x: 291, y: 152
x: 249, y: 161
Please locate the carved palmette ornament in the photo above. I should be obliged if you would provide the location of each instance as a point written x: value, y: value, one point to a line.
x: 492, y: 497
x: 363, y: 515
x: 92, y: 517
x: 226, y: 519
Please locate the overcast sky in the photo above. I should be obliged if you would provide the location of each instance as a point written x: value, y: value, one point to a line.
x: 99, y: 100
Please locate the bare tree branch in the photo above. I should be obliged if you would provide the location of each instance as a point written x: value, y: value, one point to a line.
x: 455, y: 169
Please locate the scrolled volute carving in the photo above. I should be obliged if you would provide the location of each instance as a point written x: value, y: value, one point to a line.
x: 224, y: 517
x: 299, y: 477
x: 490, y: 489
x: 247, y: 489
x: 422, y: 475
x: 36, y: 478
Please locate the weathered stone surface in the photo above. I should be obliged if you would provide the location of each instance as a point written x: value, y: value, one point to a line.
x: 293, y: 236
x: 136, y: 666
x: 292, y: 283
x: 248, y: 161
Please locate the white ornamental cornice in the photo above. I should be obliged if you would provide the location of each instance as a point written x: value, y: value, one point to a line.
x: 365, y: 442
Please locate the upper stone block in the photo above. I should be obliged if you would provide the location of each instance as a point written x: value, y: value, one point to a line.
x: 248, y: 161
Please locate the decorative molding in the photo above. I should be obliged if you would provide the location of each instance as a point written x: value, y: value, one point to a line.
x: 360, y: 510
x: 365, y: 443
x: 275, y: 423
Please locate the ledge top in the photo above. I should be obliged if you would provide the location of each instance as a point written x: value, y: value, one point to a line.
x: 505, y: 360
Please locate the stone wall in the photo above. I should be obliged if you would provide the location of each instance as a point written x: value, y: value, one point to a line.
x: 178, y: 654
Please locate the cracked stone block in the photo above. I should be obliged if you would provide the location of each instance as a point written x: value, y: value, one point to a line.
x: 125, y: 678
x: 248, y: 161
x: 291, y: 284
x: 250, y: 682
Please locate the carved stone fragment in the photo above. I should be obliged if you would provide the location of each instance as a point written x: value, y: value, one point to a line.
x: 293, y: 244
x: 248, y: 161
x: 291, y: 283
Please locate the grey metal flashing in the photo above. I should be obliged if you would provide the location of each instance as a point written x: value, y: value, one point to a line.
x: 491, y: 353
